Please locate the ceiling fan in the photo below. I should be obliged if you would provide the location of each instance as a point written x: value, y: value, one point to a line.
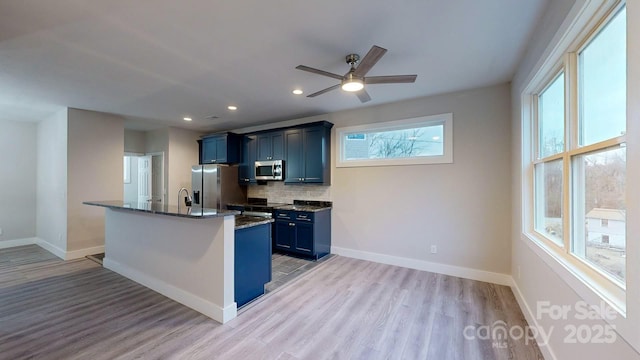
x: 354, y: 80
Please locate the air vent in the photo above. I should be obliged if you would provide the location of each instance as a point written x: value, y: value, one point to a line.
x: 212, y: 117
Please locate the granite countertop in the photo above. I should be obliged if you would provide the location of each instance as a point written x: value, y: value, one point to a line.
x: 308, y: 206
x: 245, y: 221
x: 163, y: 209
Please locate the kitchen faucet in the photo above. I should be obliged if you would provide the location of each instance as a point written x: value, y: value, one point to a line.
x: 187, y: 199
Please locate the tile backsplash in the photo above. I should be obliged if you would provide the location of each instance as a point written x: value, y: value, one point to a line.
x: 277, y: 191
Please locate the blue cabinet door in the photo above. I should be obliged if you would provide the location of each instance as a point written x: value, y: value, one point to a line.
x: 270, y: 146
x: 221, y: 150
x: 313, y: 155
x: 209, y: 150
x: 247, y: 170
x: 277, y: 145
x: 304, y: 237
x: 293, y: 165
x: 252, y: 262
x: 285, y: 235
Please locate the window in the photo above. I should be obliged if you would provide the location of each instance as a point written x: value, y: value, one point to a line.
x: 577, y: 155
x: 423, y: 140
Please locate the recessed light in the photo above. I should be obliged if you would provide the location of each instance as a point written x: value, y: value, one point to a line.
x: 187, y: 119
x: 231, y: 107
x: 297, y: 92
x: 412, y: 138
x: 436, y: 138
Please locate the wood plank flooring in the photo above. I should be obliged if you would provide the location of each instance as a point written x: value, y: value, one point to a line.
x: 343, y: 309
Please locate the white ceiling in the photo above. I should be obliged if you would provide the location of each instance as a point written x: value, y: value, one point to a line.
x: 156, y: 61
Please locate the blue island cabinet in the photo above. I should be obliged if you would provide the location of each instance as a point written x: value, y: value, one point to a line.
x: 252, y: 262
x: 307, y: 155
x: 303, y: 233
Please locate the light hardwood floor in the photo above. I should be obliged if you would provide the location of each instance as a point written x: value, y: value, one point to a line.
x: 344, y: 309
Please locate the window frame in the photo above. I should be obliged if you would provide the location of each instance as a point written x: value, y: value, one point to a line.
x: 564, y: 58
x: 446, y: 120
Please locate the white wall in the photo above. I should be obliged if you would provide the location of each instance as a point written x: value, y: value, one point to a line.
x: 18, y: 158
x: 134, y: 141
x: 461, y: 207
x: 157, y: 141
x: 536, y: 280
x: 183, y: 153
x: 95, y: 153
x: 52, y: 181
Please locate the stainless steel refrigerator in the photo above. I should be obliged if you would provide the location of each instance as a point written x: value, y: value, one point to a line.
x: 215, y: 186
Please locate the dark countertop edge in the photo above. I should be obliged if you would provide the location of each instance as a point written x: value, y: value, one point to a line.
x: 303, y: 208
x: 255, y: 223
x: 220, y: 213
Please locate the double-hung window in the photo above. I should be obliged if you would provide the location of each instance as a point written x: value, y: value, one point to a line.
x: 578, y: 154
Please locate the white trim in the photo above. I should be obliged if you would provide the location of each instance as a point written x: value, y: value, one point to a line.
x: 62, y: 254
x: 5, y: 244
x: 451, y: 270
x: 77, y: 254
x: 197, y: 303
x: 445, y: 120
x: 68, y: 255
x: 545, y: 349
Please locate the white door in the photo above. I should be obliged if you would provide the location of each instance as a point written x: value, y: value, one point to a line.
x: 144, y: 179
x: 157, y: 178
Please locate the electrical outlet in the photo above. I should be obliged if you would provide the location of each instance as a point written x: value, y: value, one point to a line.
x: 434, y: 249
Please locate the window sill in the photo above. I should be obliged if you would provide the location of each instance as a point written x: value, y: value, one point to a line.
x: 591, y: 291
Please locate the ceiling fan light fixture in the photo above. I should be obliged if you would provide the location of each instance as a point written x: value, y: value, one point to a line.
x: 352, y: 84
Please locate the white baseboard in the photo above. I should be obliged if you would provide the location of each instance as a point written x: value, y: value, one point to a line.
x: 467, y: 273
x: 78, y: 254
x: 214, y: 311
x: 52, y: 249
x: 546, y: 350
x: 68, y: 255
x: 18, y: 242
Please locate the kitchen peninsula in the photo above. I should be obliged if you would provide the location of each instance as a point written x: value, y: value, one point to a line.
x: 182, y: 253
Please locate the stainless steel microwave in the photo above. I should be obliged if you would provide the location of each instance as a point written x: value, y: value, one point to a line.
x: 269, y: 170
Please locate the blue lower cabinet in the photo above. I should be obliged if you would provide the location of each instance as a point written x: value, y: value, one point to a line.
x: 252, y: 262
x: 303, y: 233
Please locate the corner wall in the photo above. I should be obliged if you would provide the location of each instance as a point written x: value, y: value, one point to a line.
x: 182, y: 154
x: 95, y: 172
x: 51, y: 182
x: 18, y: 158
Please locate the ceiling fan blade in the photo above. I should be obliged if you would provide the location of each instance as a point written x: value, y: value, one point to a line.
x: 363, y: 95
x: 319, y: 72
x: 369, y: 60
x: 324, y: 91
x: 392, y: 79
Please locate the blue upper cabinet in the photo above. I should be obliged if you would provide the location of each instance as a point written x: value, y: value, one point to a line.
x: 221, y: 148
x: 247, y: 169
x: 307, y: 154
x: 270, y: 146
x: 293, y: 166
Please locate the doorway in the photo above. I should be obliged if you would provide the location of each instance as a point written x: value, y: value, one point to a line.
x: 144, y: 178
